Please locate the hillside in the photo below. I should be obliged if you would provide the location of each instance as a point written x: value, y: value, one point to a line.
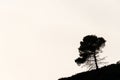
x: 109, y: 72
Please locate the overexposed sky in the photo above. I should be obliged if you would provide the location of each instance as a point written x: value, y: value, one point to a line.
x: 39, y: 38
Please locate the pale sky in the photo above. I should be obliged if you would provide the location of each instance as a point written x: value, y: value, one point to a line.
x: 39, y: 39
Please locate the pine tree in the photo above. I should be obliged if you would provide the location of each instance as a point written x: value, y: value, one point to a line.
x: 89, y: 50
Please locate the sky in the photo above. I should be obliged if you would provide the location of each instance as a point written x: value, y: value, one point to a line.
x: 39, y: 39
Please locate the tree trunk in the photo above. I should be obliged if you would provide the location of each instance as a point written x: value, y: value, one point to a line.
x: 96, y: 62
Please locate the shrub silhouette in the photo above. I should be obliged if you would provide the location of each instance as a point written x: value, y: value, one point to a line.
x: 110, y: 72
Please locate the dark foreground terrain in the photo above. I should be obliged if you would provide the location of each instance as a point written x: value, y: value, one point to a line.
x: 110, y: 72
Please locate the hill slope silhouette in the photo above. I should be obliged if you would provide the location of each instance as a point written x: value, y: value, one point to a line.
x: 110, y: 72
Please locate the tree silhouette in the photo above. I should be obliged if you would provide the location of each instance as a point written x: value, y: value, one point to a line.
x: 89, y: 49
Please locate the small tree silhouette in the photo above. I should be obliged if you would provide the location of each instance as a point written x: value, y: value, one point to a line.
x: 89, y: 49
